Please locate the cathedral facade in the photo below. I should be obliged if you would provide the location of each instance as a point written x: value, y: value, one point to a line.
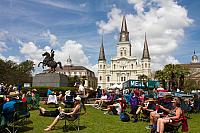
x: 124, y: 65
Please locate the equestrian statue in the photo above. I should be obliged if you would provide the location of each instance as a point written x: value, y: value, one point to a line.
x: 49, y: 61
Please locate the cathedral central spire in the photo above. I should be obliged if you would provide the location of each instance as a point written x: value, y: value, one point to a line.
x: 145, y: 50
x: 102, y: 54
x: 124, y: 34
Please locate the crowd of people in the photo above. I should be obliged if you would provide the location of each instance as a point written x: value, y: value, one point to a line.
x: 158, y: 110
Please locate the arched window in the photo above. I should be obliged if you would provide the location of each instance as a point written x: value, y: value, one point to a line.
x: 104, y: 66
x: 131, y: 66
x: 121, y: 52
x: 108, y: 79
x: 124, y: 78
x: 100, y: 66
x: 124, y: 52
x: 114, y: 66
x: 100, y: 78
x: 121, y: 78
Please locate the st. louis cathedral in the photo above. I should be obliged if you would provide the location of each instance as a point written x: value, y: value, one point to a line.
x: 124, y: 65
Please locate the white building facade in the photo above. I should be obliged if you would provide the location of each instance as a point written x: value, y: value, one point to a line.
x: 124, y: 66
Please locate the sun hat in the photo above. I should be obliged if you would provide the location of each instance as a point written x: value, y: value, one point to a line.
x: 119, y: 99
x: 78, y: 98
x: 13, y: 94
x: 34, y: 90
x: 151, y: 100
x: 67, y: 93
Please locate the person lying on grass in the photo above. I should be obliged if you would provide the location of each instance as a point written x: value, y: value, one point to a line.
x: 50, y: 113
x: 71, y: 115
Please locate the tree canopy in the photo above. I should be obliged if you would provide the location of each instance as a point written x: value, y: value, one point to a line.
x: 14, y: 73
x: 173, y: 74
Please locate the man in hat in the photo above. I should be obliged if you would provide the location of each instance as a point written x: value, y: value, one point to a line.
x: 8, y: 107
x: 146, y: 110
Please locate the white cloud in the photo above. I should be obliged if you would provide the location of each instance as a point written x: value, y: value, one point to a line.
x: 158, y: 61
x: 163, y: 22
x: 83, y: 5
x: 3, y: 46
x: 51, y: 37
x: 12, y: 58
x: 75, y: 50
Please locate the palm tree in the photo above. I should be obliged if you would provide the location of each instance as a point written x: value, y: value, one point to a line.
x: 159, y: 75
x: 173, y: 74
x: 142, y: 78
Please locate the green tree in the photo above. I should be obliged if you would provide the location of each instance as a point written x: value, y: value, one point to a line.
x: 173, y: 74
x: 190, y: 85
x: 13, y: 73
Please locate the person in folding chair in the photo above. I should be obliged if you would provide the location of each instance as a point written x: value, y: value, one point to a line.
x: 173, y: 116
x: 69, y: 116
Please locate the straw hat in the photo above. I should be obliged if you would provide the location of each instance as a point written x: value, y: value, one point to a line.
x: 168, y: 95
x: 13, y: 94
x: 78, y: 98
x: 151, y: 100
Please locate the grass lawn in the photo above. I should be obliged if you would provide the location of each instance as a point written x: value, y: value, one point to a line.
x: 96, y: 122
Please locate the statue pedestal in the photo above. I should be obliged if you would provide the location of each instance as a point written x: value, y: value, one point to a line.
x: 50, y: 79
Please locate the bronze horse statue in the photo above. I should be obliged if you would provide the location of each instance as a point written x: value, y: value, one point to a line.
x: 49, y: 61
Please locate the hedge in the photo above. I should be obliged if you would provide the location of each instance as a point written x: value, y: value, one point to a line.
x: 42, y: 90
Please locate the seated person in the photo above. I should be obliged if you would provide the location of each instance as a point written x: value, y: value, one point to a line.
x: 146, y: 110
x: 8, y: 107
x: 49, y: 92
x: 109, y: 99
x: 50, y: 113
x: 174, y: 115
x: 71, y: 115
x: 161, y: 111
x: 98, y: 101
x: 134, y: 101
x: 117, y: 107
x: 52, y: 98
x: 60, y: 96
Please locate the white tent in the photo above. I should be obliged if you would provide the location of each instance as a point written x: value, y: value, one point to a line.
x: 119, y: 86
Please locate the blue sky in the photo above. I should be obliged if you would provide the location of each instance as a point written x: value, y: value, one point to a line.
x: 74, y: 27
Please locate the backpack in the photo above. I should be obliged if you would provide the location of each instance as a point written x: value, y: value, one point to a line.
x: 124, y: 117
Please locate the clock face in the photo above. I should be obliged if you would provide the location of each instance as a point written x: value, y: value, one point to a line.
x: 123, y: 35
x: 123, y: 62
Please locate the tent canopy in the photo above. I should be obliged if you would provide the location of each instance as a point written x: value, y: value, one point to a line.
x: 119, y: 86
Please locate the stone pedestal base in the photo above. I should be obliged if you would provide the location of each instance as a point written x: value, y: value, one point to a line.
x: 50, y: 79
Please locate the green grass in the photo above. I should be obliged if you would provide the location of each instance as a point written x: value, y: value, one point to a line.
x: 96, y: 122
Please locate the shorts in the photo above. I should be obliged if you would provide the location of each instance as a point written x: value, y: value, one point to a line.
x: 68, y: 117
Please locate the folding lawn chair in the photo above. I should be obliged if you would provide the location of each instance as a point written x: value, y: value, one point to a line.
x: 72, y: 122
x: 20, y: 116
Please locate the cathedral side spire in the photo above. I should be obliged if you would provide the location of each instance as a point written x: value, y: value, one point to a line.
x: 124, y: 34
x: 145, y: 54
x: 102, y: 54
